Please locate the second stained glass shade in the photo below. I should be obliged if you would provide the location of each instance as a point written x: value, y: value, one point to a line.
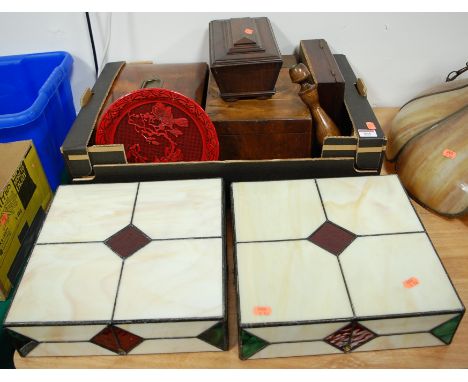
x: 334, y: 266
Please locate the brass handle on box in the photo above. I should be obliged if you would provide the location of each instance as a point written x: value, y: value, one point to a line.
x: 155, y: 82
x: 325, y: 127
x: 86, y: 97
x: 361, y: 87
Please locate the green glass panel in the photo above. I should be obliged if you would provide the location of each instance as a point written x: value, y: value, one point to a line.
x: 6, y: 345
x: 216, y: 336
x: 250, y: 344
x: 446, y: 331
x: 22, y: 343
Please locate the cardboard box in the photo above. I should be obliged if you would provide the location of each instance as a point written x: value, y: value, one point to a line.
x: 365, y: 141
x: 24, y: 197
x: 360, y: 152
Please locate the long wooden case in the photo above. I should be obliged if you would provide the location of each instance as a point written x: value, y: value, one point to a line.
x: 326, y: 74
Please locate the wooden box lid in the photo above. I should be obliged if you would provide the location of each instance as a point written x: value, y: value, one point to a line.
x: 188, y: 79
x: 242, y: 40
x: 318, y: 58
x: 284, y: 105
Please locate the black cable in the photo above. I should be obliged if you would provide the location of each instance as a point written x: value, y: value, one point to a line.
x: 90, y: 30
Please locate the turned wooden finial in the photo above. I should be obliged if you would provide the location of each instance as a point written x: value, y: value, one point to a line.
x: 299, y: 73
x: 324, y: 125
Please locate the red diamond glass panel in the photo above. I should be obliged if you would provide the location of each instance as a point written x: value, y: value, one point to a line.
x: 127, y: 340
x: 340, y: 339
x: 117, y: 340
x: 127, y: 241
x: 350, y: 337
x: 360, y: 336
x: 106, y: 339
x: 332, y: 238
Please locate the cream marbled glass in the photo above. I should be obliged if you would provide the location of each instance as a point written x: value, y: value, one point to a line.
x: 126, y: 268
x: 336, y: 265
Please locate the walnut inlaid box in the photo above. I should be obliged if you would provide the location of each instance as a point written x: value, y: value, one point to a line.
x: 244, y: 57
x: 336, y: 265
x: 249, y: 129
x: 128, y: 268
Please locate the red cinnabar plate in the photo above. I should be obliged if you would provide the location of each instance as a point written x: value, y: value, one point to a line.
x: 159, y: 125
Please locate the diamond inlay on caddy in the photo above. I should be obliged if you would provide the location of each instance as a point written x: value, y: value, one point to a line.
x: 334, y: 266
x: 128, y: 268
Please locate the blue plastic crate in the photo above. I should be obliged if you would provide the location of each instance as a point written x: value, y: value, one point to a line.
x: 36, y: 103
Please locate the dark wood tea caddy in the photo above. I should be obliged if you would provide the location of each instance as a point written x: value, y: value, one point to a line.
x: 244, y: 57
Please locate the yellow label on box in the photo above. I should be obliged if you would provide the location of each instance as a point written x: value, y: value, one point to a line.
x: 24, y: 199
x: 11, y: 211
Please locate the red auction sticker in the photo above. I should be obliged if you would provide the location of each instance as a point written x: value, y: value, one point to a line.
x: 370, y: 125
x: 411, y: 282
x: 449, y: 154
x: 262, y: 310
